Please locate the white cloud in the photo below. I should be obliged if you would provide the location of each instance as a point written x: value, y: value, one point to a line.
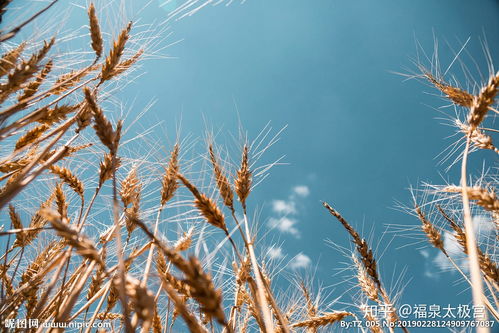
x: 300, y: 261
x: 284, y: 224
x: 301, y: 190
x: 275, y: 252
x: 284, y: 207
x: 453, y: 249
x: 484, y: 227
x: 425, y: 253
x: 432, y: 275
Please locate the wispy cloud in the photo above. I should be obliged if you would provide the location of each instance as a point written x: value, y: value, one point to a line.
x: 286, y: 211
x: 275, y: 252
x: 300, y: 261
x: 284, y: 207
x: 302, y: 190
x: 284, y: 225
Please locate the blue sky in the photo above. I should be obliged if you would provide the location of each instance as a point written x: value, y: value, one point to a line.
x: 357, y: 135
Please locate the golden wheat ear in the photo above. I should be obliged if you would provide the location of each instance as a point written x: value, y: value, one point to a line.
x: 363, y: 249
x: 483, y: 101
x: 113, y: 59
x: 221, y: 180
x: 366, y: 283
x: 82, y: 244
x: 169, y: 184
x: 242, y: 183
x: 433, y: 234
x: 69, y: 178
x: 107, y: 168
x: 456, y: 95
x: 10, y: 59
x: 206, y: 206
x: 102, y: 126
x: 477, y: 137
x: 95, y: 33
x: 24, y: 71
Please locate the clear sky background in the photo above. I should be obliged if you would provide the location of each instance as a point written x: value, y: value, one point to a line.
x: 357, y: 136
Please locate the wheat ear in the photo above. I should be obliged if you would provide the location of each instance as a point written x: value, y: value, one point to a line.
x: 455, y: 94
x: 115, y: 54
x: 71, y: 180
x: 95, y: 34
x: 242, y: 183
x: 433, y: 234
x: 169, y: 184
x: 206, y: 206
x: 221, y: 180
x: 483, y: 101
x: 323, y: 320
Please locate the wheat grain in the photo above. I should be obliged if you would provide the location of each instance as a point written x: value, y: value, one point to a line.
x: 102, y: 126
x: 169, y: 184
x: 221, y: 180
x: 477, y: 137
x: 97, y: 279
x: 142, y: 301
x: 109, y: 316
x: 434, y: 236
x: 126, y: 64
x: 60, y: 199
x: 71, y: 180
x: 205, y: 205
x: 181, y: 309
x: 107, y: 169
x: 82, y: 244
x: 488, y: 267
x: 50, y: 116
x: 483, y: 101
x: 70, y: 79
x: 115, y: 54
x: 9, y: 59
x: 33, y: 87
x: 157, y: 327
x: 184, y: 242
x: 23, y: 72
x: 31, y: 136
x: 366, y: 283
x: 130, y: 188
x: 242, y: 183
x: 455, y: 94
x: 95, y: 33
x: 483, y: 197
x: 362, y: 248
